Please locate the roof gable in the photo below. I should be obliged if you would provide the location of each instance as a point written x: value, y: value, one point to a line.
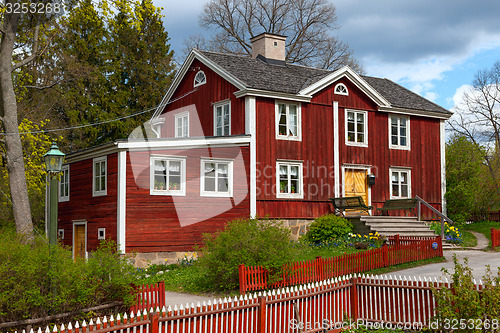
x: 256, y: 77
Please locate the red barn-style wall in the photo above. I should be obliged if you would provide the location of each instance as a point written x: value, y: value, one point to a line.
x: 98, y: 212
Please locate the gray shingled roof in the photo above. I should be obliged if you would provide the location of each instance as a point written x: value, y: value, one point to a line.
x: 291, y: 79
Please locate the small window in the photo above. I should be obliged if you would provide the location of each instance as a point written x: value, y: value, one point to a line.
x: 216, y: 178
x: 399, y: 132
x: 100, y: 176
x: 64, y: 184
x: 400, y: 183
x: 182, y: 125
x: 200, y: 79
x: 101, y: 233
x: 60, y: 234
x: 168, y: 176
x: 356, y: 128
x: 289, y: 180
x: 222, y: 119
x: 341, y: 89
x: 288, y: 121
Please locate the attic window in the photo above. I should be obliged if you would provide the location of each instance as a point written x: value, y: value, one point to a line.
x: 200, y: 79
x: 341, y: 89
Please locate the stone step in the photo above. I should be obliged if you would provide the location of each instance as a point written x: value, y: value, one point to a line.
x: 412, y: 233
x: 394, y: 219
x: 392, y: 225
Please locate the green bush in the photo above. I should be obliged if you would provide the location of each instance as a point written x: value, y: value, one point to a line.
x: 464, y: 303
x: 36, y: 281
x: 328, y: 228
x: 250, y: 242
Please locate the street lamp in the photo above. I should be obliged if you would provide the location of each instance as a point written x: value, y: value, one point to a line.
x: 54, y: 159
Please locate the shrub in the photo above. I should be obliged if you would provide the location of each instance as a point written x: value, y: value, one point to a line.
x: 38, y: 281
x: 327, y: 228
x: 250, y: 242
x: 464, y: 303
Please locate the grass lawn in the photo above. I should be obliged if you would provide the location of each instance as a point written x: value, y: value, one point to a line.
x: 468, y: 239
x: 482, y: 227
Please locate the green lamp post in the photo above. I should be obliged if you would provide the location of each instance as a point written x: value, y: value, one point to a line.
x: 54, y: 159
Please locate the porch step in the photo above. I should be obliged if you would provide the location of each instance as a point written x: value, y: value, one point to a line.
x: 392, y: 225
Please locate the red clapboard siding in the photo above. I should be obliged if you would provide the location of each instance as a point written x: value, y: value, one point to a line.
x: 200, y: 103
x: 166, y: 223
x: 98, y: 212
x: 316, y: 152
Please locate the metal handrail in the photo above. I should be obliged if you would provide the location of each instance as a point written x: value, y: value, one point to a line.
x: 441, y: 215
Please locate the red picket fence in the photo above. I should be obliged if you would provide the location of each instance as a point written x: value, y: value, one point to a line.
x: 401, y: 250
x: 489, y: 216
x: 495, y: 238
x: 149, y: 296
x: 308, y: 308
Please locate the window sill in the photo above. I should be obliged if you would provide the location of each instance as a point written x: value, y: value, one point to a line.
x: 289, y: 196
x: 168, y: 193
x: 356, y: 144
x: 100, y: 194
x: 288, y: 138
x: 400, y: 147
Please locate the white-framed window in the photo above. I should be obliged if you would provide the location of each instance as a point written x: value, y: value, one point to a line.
x: 101, y: 233
x: 216, y: 178
x: 181, y: 125
x: 64, y: 184
x: 289, y: 179
x: 199, y: 79
x: 341, y: 89
x: 60, y: 234
x: 168, y: 175
x: 288, y: 121
x: 400, y: 183
x: 356, y: 129
x: 399, y: 132
x: 100, y: 176
x: 222, y: 118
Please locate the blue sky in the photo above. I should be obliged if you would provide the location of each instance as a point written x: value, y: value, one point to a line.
x: 431, y: 47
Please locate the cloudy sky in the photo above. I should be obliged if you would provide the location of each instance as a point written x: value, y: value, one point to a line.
x: 433, y: 47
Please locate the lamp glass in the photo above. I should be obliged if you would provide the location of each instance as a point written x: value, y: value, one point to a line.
x: 54, y: 159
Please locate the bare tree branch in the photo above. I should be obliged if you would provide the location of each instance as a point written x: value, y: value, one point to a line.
x: 34, y: 52
x: 308, y: 25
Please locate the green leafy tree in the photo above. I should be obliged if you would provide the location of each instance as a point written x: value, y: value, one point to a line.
x: 35, y: 145
x: 470, y: 188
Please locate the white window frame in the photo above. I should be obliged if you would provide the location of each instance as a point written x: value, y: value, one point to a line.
x: 99, y: 230
x: 197, y: 84
x: 64, y: 198
x: 399, y: 146
x: 298, y: 137
x: 216, y: 193
x: 400, y: 170
x: 339, y: 85
x: 179, y: 133
x: 94, y: 162
x: 221, y: 105
x: 167, y: 191
x: 289, y: 195
x: 351, y: 143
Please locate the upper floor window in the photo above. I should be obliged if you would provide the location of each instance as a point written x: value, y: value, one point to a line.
x: 289, y: 178
x: 222, y: 118
x: 200, y: 79
x: 356, y: 130
x: 100, y: 176
x: 400, y: 183
x: 216, y: 178
x: 288, y: 121
x: 399, y: 132
x: 168, y: 175
x: 64, y: 184
x: 182, y: 125
x: 341, y: 89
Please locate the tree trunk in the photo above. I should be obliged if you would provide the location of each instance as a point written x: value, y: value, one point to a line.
x: 13, y: 147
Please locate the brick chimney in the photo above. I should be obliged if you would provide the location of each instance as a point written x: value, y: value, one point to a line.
x: 269, y: 48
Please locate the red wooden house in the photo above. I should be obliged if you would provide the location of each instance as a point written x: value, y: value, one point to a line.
x: 236, y: 136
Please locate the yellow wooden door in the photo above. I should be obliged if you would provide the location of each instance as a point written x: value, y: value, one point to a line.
x: 79, y: 241
x: 356, y: 184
